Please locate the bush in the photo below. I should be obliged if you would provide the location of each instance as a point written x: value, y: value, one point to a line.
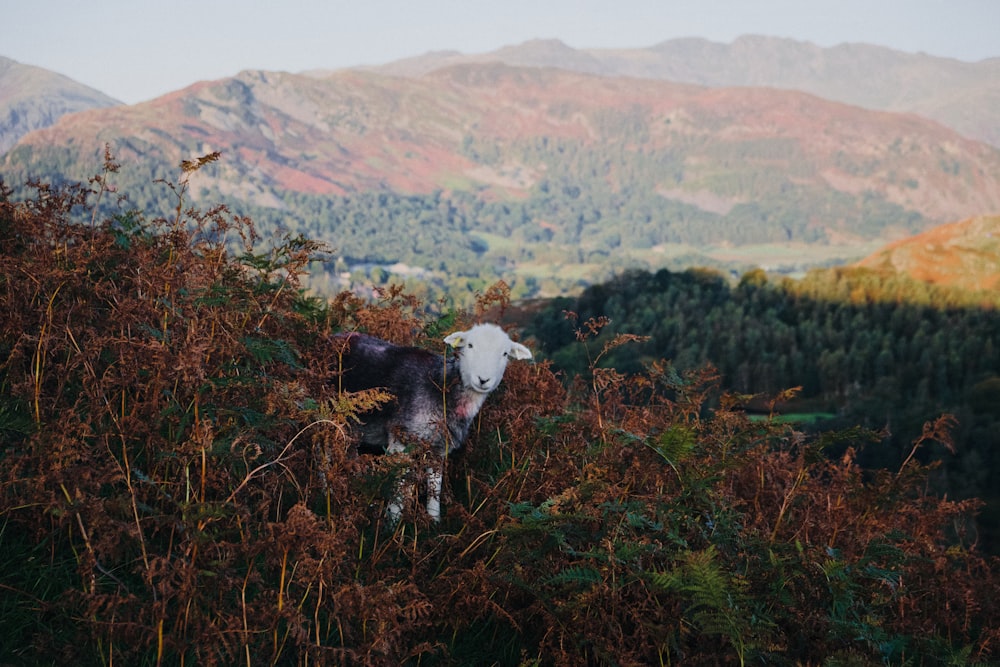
x: 177, y: 487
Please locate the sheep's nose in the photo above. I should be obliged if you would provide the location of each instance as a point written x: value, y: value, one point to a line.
x: 483, y: 381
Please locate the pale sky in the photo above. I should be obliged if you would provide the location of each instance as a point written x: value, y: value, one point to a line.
x: 136, y: 50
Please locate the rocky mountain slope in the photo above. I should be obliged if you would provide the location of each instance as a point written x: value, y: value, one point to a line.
x: 33, y: 97
x: 507, y: 130
x: 958, y: 94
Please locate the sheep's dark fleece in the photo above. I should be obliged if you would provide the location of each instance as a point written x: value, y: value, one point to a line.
x: 436, y: 398
x: 418, y: 402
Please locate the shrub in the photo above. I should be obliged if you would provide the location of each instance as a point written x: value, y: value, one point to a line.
x: 177, y: 487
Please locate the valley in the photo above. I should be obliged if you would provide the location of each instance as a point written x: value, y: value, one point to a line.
x: 549, y: 179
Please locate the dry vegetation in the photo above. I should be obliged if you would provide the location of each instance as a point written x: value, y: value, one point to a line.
x: 176, y: 487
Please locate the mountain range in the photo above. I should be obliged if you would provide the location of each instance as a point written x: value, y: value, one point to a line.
x: 33, y: 97
x: 958, y: 94
x: 552, y: 167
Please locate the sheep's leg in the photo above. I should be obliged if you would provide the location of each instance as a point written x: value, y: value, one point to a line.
x: 395, y: 508
x: 434, y: 478
x: 404, y: 488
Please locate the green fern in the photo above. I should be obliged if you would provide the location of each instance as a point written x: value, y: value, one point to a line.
x: 529, y: 513
x: 714, y: 600
x: 586, y: 577
x: 267, y: 350
x: 442, y: 325
x: 675, y: 444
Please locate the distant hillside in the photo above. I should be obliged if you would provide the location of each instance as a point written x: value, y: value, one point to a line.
x: 960, y: 95
x: 33, y: 98
x: 532, y: 173
x: 960, y: 254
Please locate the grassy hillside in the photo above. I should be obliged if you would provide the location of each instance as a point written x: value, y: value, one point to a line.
x: 177, y: 486
x: 963, y: 254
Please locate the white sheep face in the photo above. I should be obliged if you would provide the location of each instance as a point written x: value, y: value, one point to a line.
x: 483, y: 353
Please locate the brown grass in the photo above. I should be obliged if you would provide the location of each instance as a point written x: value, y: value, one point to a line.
x: 177, y: 486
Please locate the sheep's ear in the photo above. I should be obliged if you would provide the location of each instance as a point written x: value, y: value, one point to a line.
x: 518, y: 351
x: 456, y: 339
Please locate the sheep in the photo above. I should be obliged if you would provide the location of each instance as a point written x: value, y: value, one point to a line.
x: 430, y: 393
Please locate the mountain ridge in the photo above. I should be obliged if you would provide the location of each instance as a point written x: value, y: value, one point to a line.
x: 955, y: 93
x: 33, y: 97
x: 261, y: 111
x: 532, y: 172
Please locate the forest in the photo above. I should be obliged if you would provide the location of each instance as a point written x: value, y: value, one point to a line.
x: 178, y: 484
x: 585, y: 212
x: 879, y: 350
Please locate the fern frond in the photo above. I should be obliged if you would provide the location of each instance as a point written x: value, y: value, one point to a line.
x: 675, y: 443
x: 576, y: 574
x: 266, y: 350
x: 714, y: 599
x: 188, y: 166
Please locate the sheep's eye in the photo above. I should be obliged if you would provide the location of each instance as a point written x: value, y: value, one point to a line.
x: 506, y: 355
x: 469, y: 346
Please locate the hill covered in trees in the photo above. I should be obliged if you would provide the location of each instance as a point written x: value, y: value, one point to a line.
x: 177, y: 484
x: 861, y: 347
x: 547, y: 178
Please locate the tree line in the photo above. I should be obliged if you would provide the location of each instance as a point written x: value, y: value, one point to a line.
x: 881, y: 351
